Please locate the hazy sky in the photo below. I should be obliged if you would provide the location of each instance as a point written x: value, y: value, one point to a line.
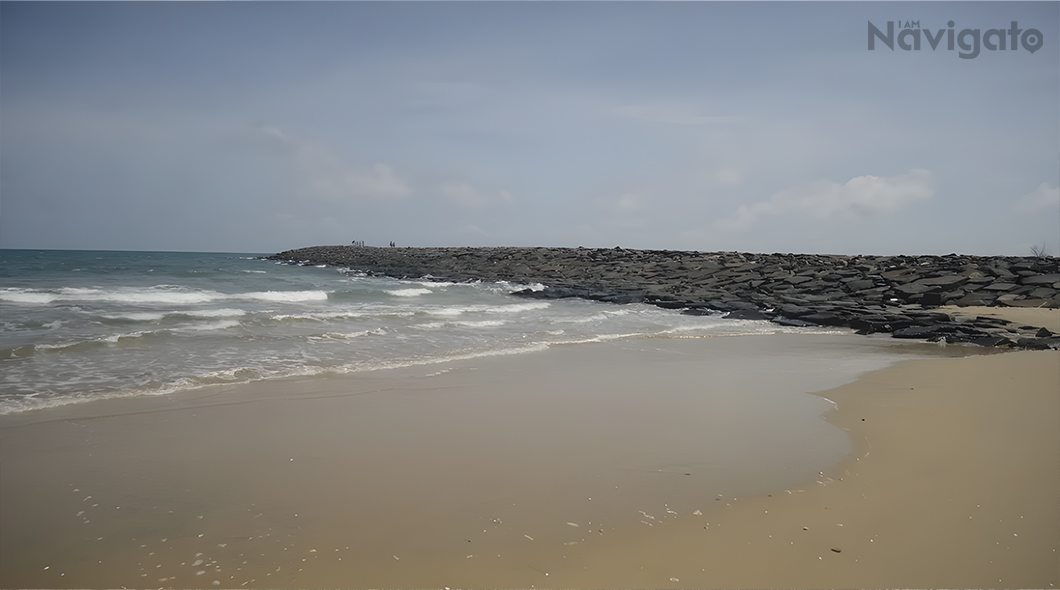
x: 763, y: 127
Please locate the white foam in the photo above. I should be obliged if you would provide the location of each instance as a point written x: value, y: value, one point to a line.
x: 409, y: 292
x: 284, y: 296
x: 16, y: 295
x: 215, y: 313
x: 448, y: 311
x: 108, y: 339
x: 340, y: 315
x: 221, y: 325
x: 439, y: 283
x: 349, y: 335
x: 519, y: 307
x: 481, y: 323
x: 512, y: 308
x: 136, y: 316
x: 152, y: 295
x: 343, y: 336
x: 465, y: 323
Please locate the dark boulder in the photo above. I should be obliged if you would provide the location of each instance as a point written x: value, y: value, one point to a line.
x: 1039, y: 343
x: 797, y: 323
x: 826, y: 319
x: 746, y: 314
x: 793, y: 311
x: 1040, y: 279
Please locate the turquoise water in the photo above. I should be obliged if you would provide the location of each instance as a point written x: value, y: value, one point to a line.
x: 81, y: 325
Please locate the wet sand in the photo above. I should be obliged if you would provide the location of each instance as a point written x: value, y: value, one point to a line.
x: 580, y: 466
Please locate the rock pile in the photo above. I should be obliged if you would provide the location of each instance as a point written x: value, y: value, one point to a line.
x: 894, y: 294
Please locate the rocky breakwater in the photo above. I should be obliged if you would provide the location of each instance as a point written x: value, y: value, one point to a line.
x: 894, y: 294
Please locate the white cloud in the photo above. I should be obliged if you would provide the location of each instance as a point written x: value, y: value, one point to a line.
x: 325, y: 174
x: 465, y: 195
x: 728, y: 176
x: 380, y: 183
x: 627, y: 203
x: 672, y: 113
x: 630, y: 202
x: 863, y: 196
x: 1041, y: 198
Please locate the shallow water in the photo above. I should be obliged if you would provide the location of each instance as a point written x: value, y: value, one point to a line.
x: 79, y: 325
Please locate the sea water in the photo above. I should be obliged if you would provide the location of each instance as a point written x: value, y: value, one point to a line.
x: 82, y: 325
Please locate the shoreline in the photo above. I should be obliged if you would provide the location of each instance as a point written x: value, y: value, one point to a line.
x: 899, y: 295
x: 200, y: 438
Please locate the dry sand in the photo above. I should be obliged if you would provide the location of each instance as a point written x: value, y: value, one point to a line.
x: 1038, y: 317
x: 580, y: 466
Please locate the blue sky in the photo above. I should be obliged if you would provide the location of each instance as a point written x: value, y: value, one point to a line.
x: 763, y: 127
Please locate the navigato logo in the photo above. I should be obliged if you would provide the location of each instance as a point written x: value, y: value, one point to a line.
x: 909, y: 38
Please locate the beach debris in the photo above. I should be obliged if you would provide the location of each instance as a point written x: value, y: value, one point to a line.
x: 674, y: 580
x: 834, y: 550
x: 698, y: 513
x: 574, y: 524
x: 396, y: 557
x: 646, y: 514
x: 528, y: 537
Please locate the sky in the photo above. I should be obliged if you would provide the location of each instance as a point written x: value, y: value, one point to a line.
x: 711, y: 126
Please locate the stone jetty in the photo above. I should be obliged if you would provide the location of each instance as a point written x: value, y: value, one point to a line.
x: 894, y: 294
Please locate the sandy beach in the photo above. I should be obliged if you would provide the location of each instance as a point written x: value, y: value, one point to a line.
x: 637, y: 463
x: 529, y: 295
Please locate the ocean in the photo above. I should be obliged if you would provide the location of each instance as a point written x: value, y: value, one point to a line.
x: 76, y: 326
